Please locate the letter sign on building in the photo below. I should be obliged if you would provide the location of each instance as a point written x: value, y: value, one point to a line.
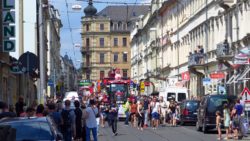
x: 8, y: 22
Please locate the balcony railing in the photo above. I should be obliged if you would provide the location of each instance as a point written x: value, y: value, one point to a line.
x: 223, y: 50
x: 196, y: 59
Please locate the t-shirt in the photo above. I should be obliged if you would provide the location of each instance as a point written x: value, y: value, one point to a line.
x: 239, y: 109
x: 155, y: 107
x: 91, y: 120
x: 145, y: 106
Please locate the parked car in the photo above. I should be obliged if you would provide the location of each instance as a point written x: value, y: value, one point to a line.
x: 33, y: 128
x: 206, y: 118
x: 188, y: 111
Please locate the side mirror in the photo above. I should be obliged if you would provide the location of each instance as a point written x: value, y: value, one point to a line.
x: 59, y: 137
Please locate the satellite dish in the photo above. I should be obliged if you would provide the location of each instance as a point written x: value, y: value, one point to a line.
x: 76, y: 7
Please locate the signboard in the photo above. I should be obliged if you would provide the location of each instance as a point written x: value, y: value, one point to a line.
x: 50, y: 83
x: 247, y: 106
x: 185, y: 76
x: 241, y: 59
x: 245, y: 95
x: 8, y: 22
x: 147, y: 83
x: 218, y: 75
x: 142, y: 87
x: 206, y: 81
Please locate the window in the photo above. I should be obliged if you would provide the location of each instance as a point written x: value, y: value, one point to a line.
x: 102, y: 58
x: 125, y: 57
x: 87, y: 27
x: 115, y: 42
x: 124, y: 26
x: 87, y: 42
x: 124, y: 42
x: 102, y: 75
x: 101, y: 42
x: 115, y: 57
x: 125, y: 73
x: 101, y: 26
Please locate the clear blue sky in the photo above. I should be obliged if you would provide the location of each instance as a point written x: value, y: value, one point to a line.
x: 75, y: 24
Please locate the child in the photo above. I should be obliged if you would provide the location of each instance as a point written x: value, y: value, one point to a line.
x: 218, y: 124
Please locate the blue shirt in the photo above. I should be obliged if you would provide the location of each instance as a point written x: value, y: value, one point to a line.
x: 91, y: 120
x: 239, y: 109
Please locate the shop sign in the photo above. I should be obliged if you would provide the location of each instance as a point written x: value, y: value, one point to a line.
x: 142, y: 87
x: 241, y: 59
x: 185, y: 76
x: 147, y: 83
x: 8, y: 22
x: 206, y: 81
x: 218, y: 75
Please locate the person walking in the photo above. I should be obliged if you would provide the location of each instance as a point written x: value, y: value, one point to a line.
x: 163, y: 110
x: 133, y: 112
x: 140, y: 112
x: 226, y: 116
x: 20, y: 106
x: 78, y: 121
x: 236, y: 114
x: 40, y: 110
x: 155, y: 113
x: 113, y: 115
x: 91, y: 124
x: 126, y: 110
x: 68, y: 118
x: 146, y: 111
x: 172, y: 107
x: 4, y: 111
x: 56, y: 116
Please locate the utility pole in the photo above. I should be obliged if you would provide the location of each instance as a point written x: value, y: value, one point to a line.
x: 41, y: 93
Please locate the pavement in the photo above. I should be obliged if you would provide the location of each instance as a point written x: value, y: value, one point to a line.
x: 167, y: 133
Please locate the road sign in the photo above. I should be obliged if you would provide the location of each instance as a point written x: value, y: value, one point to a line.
x: 245, y: 95
x: 206, y: 81
x: 185, y: 76
x: 247, y: 106
x: 50, y: 83
x: 218, y: 75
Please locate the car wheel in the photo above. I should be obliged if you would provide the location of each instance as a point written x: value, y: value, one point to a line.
x: 198, y: 128
x: 204, y: 128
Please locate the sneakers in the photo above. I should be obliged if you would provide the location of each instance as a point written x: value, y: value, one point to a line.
x: 115, y: 134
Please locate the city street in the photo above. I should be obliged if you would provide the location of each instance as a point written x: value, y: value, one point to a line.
x: 182, y: 133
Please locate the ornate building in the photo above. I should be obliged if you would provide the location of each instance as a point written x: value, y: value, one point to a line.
x: 106, y: 38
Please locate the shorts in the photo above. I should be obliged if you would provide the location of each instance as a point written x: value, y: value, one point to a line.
x: 155, y: 115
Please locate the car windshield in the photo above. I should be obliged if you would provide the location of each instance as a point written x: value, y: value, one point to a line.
x: 31, y: 130
x: 216, y: 103
x: 181, y: 97
x: 170, y: 96
x: 192, y: 105
x: 117, y: 87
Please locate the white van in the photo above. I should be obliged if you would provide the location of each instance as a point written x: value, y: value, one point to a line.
x: 71, y: 96
x: 179, y: 93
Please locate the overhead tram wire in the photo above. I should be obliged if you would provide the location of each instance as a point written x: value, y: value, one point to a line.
x: 70, y: 29
x: 121, y: 3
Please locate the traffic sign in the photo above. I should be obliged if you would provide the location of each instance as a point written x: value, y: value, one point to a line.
x: 245, y: 95
x: 50, y: 83
x: 206, y: 81
x: 185, y: 76
x: 247, y: 106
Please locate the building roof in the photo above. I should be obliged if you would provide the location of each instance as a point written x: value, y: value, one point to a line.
x: 123, y: 13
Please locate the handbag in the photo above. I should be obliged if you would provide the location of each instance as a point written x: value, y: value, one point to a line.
x: 96, y: 115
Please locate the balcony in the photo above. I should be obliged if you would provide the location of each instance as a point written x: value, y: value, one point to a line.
x: 196, y: 60
x: 224, y: 52
x: 226, y: 4
x: 85, y: 50
x: 86, y: 65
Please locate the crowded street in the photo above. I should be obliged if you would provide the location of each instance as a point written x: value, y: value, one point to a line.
x: 124, y: 70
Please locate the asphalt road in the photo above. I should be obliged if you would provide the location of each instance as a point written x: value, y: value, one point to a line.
x: 180, y: 133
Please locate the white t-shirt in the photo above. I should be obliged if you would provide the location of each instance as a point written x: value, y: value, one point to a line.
x: 91, y: 120
x: 155, y: 107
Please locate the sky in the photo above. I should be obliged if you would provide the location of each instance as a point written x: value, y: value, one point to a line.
x: 72, y: 21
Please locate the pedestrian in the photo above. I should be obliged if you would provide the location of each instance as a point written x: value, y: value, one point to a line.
x: 68, y: 118
x: 40, y: 110
x: 30, y: 112
x: 56, y: 116
x: 226, y: 116
x: 20, y: 106
x: 91, y: 124
x: 133, y: 112
x: 102, y: 114
x: 236, y: 114
x: 140, y: 113
x: 78, y: 121
x: 84, y: 113
x: 163, y: 110
x: 155, y: 113
x: 4, y: 111
x: 172, y: 107
x: 218, y: 124
x: 113, y: 115
x: 146, y: 111
x: 126, y: 110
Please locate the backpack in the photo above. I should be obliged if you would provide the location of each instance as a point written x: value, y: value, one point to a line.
x: 66, y: 119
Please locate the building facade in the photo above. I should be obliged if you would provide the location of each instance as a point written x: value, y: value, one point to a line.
x: 199, y: 38
x: 106, y: 38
